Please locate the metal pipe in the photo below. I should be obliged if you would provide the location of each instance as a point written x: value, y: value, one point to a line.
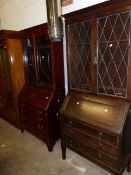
x: 55, y: 22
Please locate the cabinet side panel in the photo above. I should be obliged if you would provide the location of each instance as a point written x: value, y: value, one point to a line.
x: 16, y: 64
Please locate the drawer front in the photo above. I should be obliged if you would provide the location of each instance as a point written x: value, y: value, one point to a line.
x: 33, y: 119
x: 32, y: 112
x: 88, y: 140
x: 31, y: 109
x: 91, y: 153
x: 92, y: 131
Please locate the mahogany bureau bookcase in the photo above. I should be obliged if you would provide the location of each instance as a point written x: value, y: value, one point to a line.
x: 95, y: 118
x: 43, y: 93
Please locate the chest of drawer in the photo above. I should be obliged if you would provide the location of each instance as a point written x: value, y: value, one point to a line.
x: 88, y: 140
x: 93, y: 154
x: 97, y: 133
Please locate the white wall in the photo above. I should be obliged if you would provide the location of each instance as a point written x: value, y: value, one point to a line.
x: 21, y: 14
x: 79, y: 4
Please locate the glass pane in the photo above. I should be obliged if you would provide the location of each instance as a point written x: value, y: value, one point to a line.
x: 29, y: 59
x: 79, y: 55
x: 113, y: 46
x: 43, y: 59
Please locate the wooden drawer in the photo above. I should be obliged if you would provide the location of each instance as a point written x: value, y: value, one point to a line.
x: 33, y: 119
x: 91, y: 153
x: 88, y: 140
x: 95, y: 132
x: 32, y: 111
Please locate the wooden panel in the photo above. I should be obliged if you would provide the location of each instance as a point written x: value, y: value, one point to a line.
x: 36, y: 97
x: 3, y: 97
x: 16, y: 64
x: 106, y: 114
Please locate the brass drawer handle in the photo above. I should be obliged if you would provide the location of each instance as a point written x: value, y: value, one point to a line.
x: 99, y: 155
x: 100, y: 135
x: 100, y: 143
x: 71, y: 142
x: 70, y: 122
x: 40, y: 135
x: 22, y: 111
x: 39, y: 112
x: 40, y: 119
x: 45, y: 114
x: 40, y: 127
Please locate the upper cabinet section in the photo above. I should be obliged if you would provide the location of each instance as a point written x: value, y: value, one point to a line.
x: 42, y: 58
x: 98, y: 49
x: 37, y: 59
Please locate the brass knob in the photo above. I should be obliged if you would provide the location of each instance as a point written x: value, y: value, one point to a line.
x: 100, y: 143
x: 40, y: 135
x: 40, y: 127
x: 40, y: 119
x: 39, y: 112
x: 71, y: 142
x: 45, y: 114
x: 99, y: 155
x: 100, y: 135
x: 70, y: 122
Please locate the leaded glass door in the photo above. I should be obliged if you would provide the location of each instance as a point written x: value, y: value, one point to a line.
x: 29, y: 59
x: 113, y: 46
x: 79, y: 55
x: 43, y: 59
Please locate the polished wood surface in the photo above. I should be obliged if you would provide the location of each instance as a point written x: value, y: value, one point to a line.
x: 13, y: 80
x: 93, y: 127
x: 95, y: 115
x: 39, y: 113
x: 43, y: 93
x: 14, y: 48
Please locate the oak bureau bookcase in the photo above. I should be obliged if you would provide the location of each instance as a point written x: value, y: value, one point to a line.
x: 95, y: 118
x: 43, y: 93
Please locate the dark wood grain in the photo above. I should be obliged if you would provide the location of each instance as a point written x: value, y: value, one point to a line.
x: 95, y: 123
x: 43, y: 94
x: 12, y: 73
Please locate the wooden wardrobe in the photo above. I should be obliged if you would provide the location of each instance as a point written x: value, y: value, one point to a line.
x: 11, y: 75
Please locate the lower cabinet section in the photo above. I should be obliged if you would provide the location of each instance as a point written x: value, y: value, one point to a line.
x: 39, y: 114
x: 99, y: 142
